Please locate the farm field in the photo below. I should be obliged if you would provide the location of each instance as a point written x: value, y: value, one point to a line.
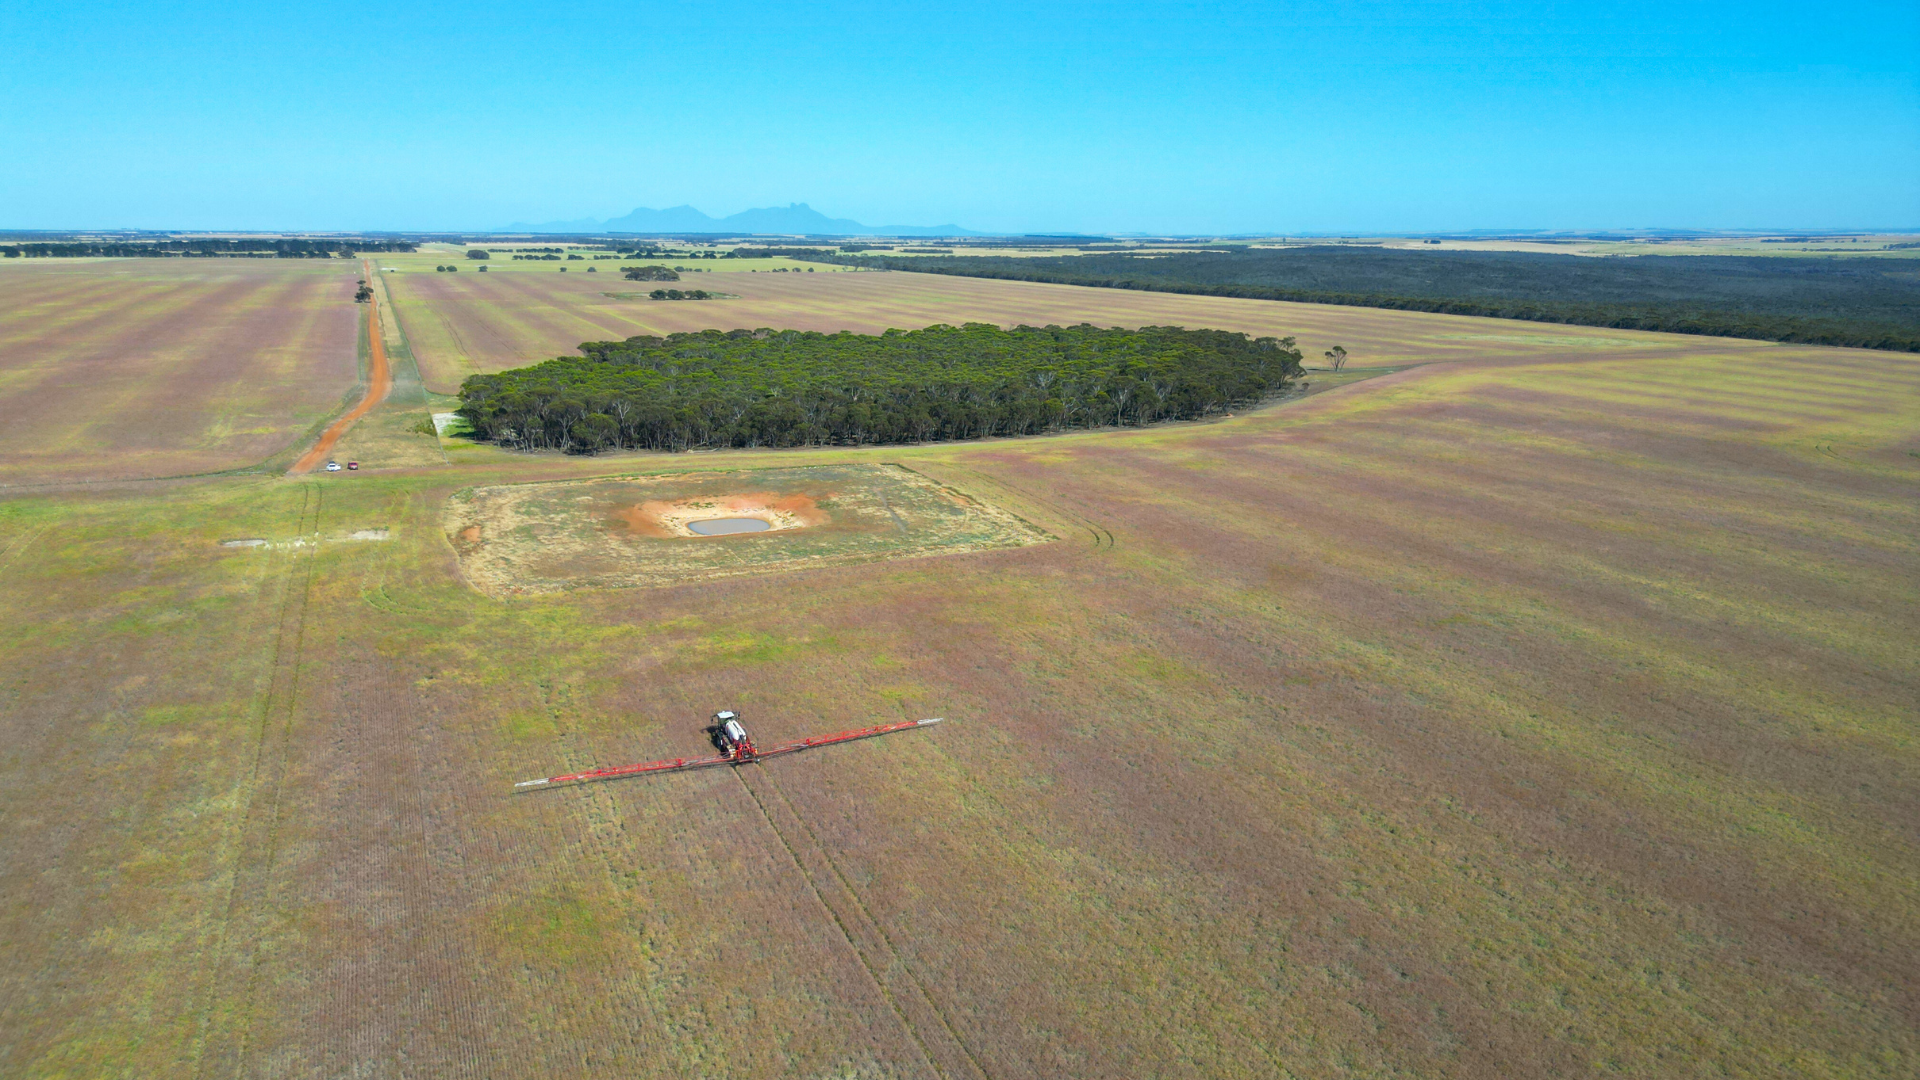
x: 114, y: 368
x: 636, y: 530
x: 469, y: 323
x: 1546, y: 711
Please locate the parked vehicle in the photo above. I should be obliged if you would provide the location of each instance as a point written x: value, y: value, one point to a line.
x: 333, y: 466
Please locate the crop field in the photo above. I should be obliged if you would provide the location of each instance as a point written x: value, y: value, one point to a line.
x: 114, y: 368
x: 626, y: 531
x: 1546, y: 711
x: 468, y: 323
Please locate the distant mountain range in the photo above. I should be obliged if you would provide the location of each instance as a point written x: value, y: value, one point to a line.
x: 790, y: 220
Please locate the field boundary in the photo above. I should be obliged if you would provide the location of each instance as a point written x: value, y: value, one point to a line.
x: 514, y: 539
x: 379, y: 385
x: 1102, y: 537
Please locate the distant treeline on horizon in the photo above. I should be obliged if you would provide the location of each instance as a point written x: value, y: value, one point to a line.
x: 1869, y: 303
x: 191, y: 249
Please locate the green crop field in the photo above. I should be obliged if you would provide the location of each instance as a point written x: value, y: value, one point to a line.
x: 114, y: 368
x: 1541, y: 709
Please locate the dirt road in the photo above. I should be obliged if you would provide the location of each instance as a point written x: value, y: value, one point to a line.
x: 379, y: 383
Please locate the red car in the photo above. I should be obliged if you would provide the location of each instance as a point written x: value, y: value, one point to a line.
x: 353, y: 464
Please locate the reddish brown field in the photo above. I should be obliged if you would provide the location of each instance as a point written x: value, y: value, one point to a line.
x: 114, y: 368
x: 462, y: 324
x: 1521, y: 717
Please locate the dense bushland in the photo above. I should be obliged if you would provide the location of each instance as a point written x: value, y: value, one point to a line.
x: 1870, y: 303
x: 791, y: 388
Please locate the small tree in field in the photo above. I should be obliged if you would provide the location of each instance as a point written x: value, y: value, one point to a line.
x: 476, y: 253
x: 1336, y: 356
x: 365, y: 293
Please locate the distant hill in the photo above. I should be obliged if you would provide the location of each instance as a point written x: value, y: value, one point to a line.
x: 792, y: 219
x: 676, y: 219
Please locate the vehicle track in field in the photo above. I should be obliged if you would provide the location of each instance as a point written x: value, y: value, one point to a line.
x: 379, y: 385
x: 1099, y: 535
x: 893, y: 952
x: 922, y: 1019
x: 250, y: 894
x: 21, y: 542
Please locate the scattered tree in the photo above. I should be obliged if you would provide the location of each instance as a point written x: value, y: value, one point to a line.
x: 1337, y: 356
x: 476, y: 253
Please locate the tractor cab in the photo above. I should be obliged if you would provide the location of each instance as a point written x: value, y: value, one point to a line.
x: 731, y: 737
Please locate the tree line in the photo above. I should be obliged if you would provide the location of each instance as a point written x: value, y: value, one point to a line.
x: 815, y: 254
x: 165, y: 249
x: 747, y: 388
x: 1866, y: 303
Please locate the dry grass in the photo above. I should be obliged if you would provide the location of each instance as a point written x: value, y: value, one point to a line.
x: 1548, y: 714
x: 462, y: 324
x: 116, y: 368
x: 626, y: 531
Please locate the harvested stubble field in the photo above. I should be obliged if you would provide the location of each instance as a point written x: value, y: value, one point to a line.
x: 628, y: 531
x: 114, y: 368
x: 464, y: 324
x: 1537, y: 716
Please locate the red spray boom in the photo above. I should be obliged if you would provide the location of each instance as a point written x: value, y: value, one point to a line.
x: 736, y: 748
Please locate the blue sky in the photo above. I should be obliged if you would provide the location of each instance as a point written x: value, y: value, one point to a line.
x: 1026, y: 117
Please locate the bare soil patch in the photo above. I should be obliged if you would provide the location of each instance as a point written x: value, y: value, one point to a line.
x: 628, y: 531
x: 663, y: 518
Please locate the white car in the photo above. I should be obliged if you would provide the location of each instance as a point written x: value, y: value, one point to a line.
x: 333, y: 466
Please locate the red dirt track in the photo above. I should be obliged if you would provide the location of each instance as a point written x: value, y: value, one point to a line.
x: 379, y: 383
